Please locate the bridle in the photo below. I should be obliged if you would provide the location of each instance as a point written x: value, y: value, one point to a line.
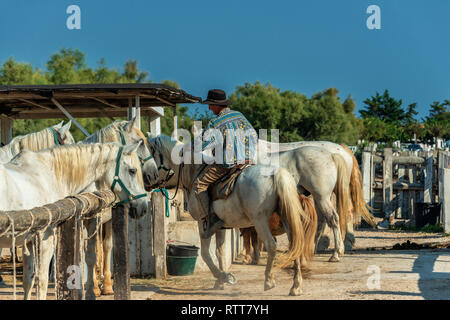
x: 141, y: 160
x: 57, y: 137
x: 130, y: 196
x: 161, y: 186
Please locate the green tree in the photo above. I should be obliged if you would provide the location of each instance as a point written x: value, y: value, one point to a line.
x: 383, y: 107
x: 322, y: 117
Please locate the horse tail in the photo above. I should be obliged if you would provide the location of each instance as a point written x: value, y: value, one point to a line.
x: 310, y: 227
x: 342, y: 192
x: 359, y: 205
x: 290, y: 208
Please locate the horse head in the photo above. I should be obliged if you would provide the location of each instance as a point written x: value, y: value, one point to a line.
x: 64, y: 132
x: 126, y: 180
x: 131, y: 135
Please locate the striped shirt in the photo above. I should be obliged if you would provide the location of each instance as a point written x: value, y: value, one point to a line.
x: 231, y: 132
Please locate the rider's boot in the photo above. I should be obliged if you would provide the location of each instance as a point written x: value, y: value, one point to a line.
x: 211, y: 222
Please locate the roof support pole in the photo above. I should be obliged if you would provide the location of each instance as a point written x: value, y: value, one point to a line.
x: 6, y: 134
x: 68, y: 115
x: 130, y: 105
x: 138, y: 111
x: 175, y: 122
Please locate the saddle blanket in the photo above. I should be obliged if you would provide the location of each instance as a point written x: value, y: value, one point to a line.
x: 225, y: 186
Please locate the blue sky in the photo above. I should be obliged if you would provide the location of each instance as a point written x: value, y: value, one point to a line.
x: 305, y: 46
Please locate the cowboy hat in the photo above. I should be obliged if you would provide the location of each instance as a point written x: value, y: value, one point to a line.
x: 217, y: 97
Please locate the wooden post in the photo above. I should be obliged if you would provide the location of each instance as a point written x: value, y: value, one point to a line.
x: 401, y: 178
x: 411, y: 196
x: 367, y: 177
x: 159, y: 235
x: 122, y: 288
x: 68, y: 269
x: 138, y: 111
x: 130, y: 109
x: 6, y: 134
x: 175, y: 122
x: 155, y: 125
x: 387, y: 183
x: 446, y: 200
x: 428, y: 178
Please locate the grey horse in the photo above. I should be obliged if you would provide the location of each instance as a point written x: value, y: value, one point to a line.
x: 259, y: 191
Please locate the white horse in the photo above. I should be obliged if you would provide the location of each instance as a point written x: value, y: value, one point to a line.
x: 359, y: 206
x: 46, y: 138
x: 126, y: 133
x: 259, y: 191
x: 35, y: 141
x: 321, y: 173
x: 34, y: 179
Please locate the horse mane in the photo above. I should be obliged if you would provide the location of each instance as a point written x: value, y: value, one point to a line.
x: 34, y: 141
x: 72, y: 163
x: 167, y: 144
x: 106, y: 134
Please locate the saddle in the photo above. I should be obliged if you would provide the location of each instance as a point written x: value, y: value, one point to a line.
x: 225, y: 186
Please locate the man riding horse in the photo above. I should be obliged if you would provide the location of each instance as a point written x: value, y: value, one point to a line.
x: 231, y: 132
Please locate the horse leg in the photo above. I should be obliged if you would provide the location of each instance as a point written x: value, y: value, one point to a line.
x: 320, y: 228
x: 332, y: 219
x: 107, y: 251
x: 257, y: 246
x: 296, y: 289
x: 46, y: 251
x: 263, y: 230
x: 92, y: 289
x: 28, y: 274
x: 349, y: 240
x: 206, y: 256
x: 220, y: 241
x: 247, y: 246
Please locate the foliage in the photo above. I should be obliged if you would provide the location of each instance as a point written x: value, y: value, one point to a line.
x: 321, y: 117
x: 69, y: 67
x: 297, y: 117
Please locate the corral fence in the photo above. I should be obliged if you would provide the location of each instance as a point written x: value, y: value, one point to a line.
x: 399, y: 185
x: 68, y: 214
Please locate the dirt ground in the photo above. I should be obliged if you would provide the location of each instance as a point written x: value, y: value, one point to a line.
x: 418, y: 269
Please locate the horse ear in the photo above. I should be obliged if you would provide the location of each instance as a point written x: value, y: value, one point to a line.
x: 129, y: 126
x: 59, y: 125
x: 62, y: 131
x: 131, y: 148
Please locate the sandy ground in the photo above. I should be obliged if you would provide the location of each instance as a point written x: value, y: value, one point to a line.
x: 372, y: 270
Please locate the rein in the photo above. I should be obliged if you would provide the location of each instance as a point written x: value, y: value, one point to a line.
x: 117, y: 179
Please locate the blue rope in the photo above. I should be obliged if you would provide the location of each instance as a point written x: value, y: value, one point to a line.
x: 167, y: 199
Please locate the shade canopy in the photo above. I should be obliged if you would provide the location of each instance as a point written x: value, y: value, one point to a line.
x: 88, y: 100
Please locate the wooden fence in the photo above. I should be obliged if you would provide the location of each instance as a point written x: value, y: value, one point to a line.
x: 393, y: 184
x: 67, y: 214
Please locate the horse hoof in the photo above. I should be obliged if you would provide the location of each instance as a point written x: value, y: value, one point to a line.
x: 334, y: 259
x: 295, y: 291
x: 97, y: 292
x: 351, y: 238
x: 268, y: 286
x: 219, y: 285
x: 247, y: 261
x: 107, y: 292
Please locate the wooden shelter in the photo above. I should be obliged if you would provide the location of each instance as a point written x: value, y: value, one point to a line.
x: 87, y: 101
x: 93, y: 101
